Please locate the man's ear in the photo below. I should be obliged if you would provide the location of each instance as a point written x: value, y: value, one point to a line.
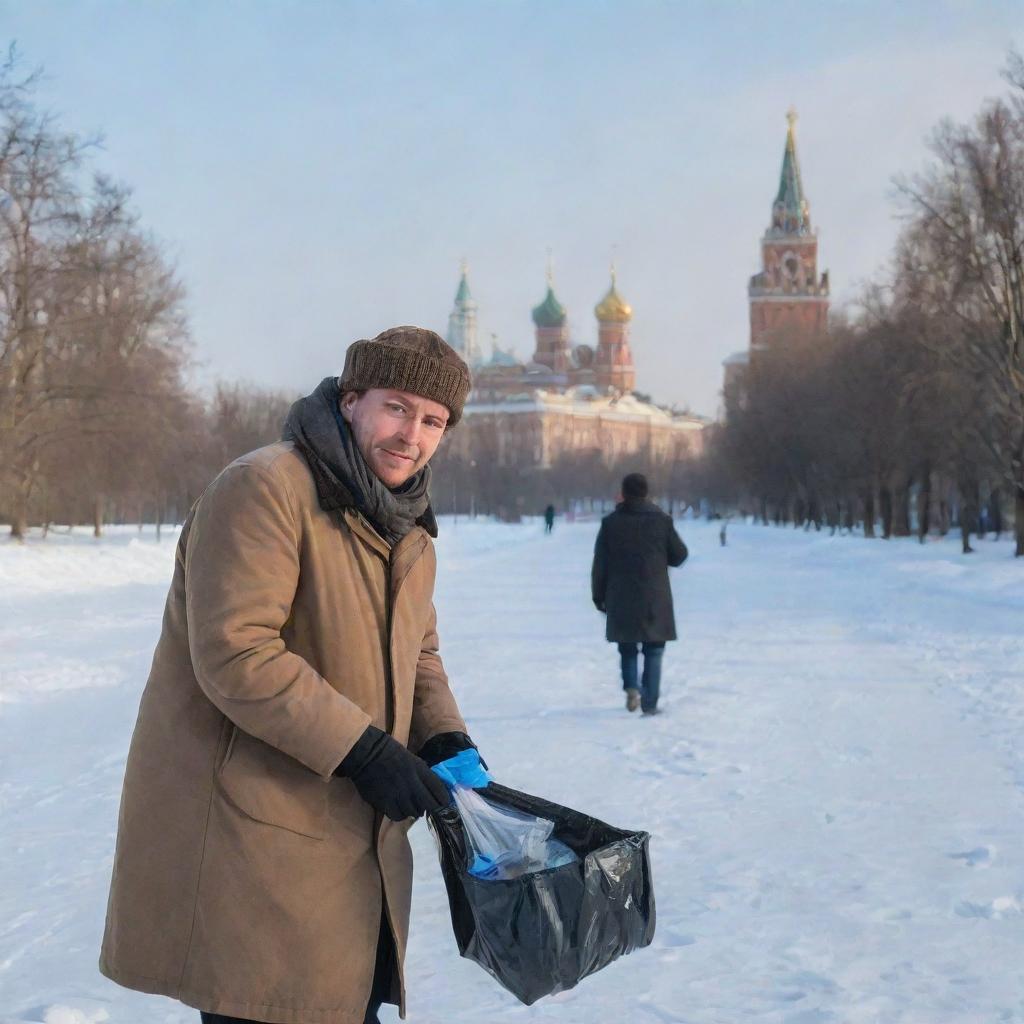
x: 346, y: 402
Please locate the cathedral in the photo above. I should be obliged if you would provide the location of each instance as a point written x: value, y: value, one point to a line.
x: 787, y: 295
x: 570, y: 398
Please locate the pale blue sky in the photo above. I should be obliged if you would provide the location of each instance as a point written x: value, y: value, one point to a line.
x: 317, y: 170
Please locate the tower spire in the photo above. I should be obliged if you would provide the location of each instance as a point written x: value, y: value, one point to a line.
x: 462, y: 322
x: 791, y: 213
x: 463, y: 294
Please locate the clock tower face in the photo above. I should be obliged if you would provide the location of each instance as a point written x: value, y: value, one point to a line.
x: 790, y: 265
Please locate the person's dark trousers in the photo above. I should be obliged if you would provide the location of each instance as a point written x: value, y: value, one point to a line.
x: 217, y: 1018
x: 650, y: 682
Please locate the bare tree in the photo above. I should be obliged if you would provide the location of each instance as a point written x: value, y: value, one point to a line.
x: 968, y: 231
x: 38, y: 214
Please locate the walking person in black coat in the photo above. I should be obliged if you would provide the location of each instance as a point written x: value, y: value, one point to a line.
x: 629, y: 583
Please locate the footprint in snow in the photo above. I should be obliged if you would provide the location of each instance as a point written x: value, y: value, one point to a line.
x: 979, y: 857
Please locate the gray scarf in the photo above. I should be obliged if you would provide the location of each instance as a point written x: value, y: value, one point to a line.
x: 343, y: 478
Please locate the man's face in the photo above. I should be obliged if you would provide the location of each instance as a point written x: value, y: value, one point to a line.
x: 396, y: 432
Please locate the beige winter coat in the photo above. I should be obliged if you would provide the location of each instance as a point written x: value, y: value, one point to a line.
x: 247, y: 879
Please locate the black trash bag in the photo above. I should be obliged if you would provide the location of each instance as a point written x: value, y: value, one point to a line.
x: 542, y: 932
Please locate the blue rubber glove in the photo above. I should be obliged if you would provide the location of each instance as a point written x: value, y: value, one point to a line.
x: 464, y: 769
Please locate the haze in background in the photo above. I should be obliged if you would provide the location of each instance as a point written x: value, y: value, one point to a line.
x: 318, y: 171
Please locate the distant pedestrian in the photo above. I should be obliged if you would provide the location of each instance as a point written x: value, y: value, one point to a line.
x: 629, y: 583
x: 549, y: 518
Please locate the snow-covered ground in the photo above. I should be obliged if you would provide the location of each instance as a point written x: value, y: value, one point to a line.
x: 834, y: 791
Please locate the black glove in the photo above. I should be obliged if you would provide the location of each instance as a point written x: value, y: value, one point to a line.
x: 390, y: 779
x: 447, y: 744
x: 599, y: 605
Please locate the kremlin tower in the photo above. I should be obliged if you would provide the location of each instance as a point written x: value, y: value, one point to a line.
x: 613, y: 363
x: 462, y: 327
x: 552, y: 333
x: 787, y: 295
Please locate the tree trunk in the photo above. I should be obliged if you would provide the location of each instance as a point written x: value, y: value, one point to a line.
x: 19, y: 525
x: 1018, y: 520
x: 97, y: 517
x: 943, y: 517
x: 901, y: 510
x: 995, y: 511
x: 833, y: 516
x: 924, y: 506
x: 968, y: 516
x: 19, y: 512
x: 814, y: 511
x: 885, y: 510
x: 869, y: 514
x: 799, y: 512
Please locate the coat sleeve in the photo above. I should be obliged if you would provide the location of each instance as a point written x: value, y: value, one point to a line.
x: 676, y: 548
x: 241, y: 573
x: 599, y: 570
x: 434, y: 708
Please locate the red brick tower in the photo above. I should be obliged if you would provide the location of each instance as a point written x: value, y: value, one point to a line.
x: 613, y: 363
x: 787, y: 296
x: 552, y: 332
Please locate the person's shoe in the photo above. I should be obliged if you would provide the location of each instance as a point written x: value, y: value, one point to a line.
x: 632, y: 700
x: 652, y: 711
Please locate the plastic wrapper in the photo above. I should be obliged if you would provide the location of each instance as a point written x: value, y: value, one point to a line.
x: 503, y: 842
x: 544, y: 930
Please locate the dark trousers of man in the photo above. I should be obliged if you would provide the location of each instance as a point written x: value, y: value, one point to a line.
x: 650, y: 681
x: 383, y: 972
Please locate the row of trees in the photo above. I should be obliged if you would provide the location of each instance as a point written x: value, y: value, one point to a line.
x: 582, y: 481
x: 97, y: 416
x: 910, y: 411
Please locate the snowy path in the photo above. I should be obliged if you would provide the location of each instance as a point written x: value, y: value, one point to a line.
x: 834, y: 791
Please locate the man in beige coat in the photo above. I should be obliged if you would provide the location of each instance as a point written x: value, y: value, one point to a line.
x: 262, y: 870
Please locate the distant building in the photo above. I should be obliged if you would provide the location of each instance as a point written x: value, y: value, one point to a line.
x: 569, y: 398
x: 536, y: 427
x: 787, y: 295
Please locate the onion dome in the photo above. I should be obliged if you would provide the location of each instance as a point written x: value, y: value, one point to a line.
x: 613, y: 308
x: 550, y: 313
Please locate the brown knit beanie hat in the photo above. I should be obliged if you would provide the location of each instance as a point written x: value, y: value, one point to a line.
x: 409, y: 359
